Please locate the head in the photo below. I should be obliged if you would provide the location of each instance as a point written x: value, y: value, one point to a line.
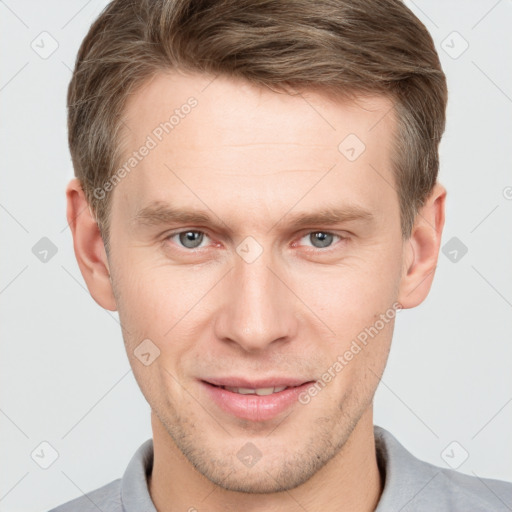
x: 257, y: 189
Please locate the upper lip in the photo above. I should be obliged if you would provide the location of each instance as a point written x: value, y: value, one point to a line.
x: 270, y: 382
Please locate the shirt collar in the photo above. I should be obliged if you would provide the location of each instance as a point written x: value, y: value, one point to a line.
x: 134, y: 485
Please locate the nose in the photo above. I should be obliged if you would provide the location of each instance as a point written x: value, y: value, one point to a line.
x: 256, y: 308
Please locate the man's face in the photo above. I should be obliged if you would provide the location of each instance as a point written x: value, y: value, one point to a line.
x: 247, y: 295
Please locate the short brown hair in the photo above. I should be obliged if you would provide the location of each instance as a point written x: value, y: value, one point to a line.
x: 340, y: 46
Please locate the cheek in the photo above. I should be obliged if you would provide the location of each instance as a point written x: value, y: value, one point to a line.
x: 157, y: 300
x: 350, y: 297
x: 144, y: 298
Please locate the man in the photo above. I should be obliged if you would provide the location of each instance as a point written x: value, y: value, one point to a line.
x: 257, y: 197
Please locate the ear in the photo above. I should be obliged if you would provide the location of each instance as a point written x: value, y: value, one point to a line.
x: 89, y: 248
x: 421, y: 250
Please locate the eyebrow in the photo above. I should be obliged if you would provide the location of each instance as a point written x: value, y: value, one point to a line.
x: 157, y: 214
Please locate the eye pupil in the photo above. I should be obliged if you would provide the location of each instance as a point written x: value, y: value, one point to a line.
x: 191, y: 239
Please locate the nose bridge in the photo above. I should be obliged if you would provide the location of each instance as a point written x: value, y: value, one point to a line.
x: 258, y: 308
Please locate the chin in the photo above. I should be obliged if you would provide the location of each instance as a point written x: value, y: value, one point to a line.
x: 259, y: 481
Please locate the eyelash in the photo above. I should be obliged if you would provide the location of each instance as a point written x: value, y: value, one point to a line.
x: 339, y: 237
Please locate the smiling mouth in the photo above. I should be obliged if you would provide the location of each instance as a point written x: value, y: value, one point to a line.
x: 254, y: 391
x: 256, y: 400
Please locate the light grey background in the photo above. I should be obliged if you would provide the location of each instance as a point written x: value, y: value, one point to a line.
x: 65, y: 378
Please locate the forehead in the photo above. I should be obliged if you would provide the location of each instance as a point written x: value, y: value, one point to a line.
x: 230, y: 142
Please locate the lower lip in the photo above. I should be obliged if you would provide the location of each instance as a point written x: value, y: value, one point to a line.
x: 254, y: 407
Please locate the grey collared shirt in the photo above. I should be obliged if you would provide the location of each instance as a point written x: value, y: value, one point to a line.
x: 410, y: 485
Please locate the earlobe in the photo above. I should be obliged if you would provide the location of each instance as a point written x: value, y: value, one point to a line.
x: 89, y: 247
x: 421, y: 251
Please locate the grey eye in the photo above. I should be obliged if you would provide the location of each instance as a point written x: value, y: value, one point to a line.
x: 191, y: 239
x: 321, y: 239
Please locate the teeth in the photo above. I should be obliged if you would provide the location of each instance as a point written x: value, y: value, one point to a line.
x: 258, y: 391
x: 264, y: 391
x: 244, y: 391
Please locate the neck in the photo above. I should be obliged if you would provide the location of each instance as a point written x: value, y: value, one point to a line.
x: 350, y: 481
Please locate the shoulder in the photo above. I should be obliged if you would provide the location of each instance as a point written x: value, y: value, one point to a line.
x: 127, y: 493
x: 106, y: 499
x: 465, y: 492
x: 412, y: 484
